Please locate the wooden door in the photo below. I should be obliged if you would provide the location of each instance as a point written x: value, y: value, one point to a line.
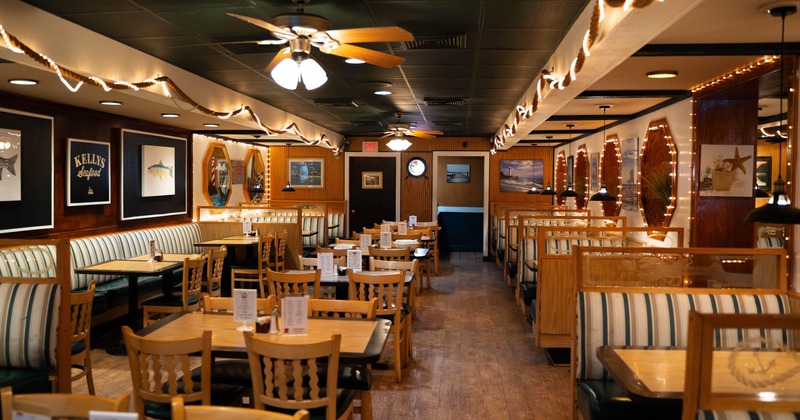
x: 372, y: 191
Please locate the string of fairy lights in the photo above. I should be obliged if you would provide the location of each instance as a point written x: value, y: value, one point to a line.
x: 168, y: 86
x: 548, y: 80
x: 661, y: 128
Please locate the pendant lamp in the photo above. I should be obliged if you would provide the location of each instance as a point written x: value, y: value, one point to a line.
x: 548, y: 191
x: 778, y: 209
x: 603, y: 194
x: 534, y: 190
x: 759, y: 193
x: 569, y: 192
x: 288, y: 187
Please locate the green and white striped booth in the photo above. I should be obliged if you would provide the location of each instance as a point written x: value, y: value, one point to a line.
x: 745, y: 415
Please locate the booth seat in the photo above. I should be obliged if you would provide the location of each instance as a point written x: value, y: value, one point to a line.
x: 336, y: 228
x: 651, y: 319
x: 314, y: 223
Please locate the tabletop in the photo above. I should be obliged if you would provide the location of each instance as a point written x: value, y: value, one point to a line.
x: 361, y: 339
x: 230, y: 241
x: 167, y: 257
x: 129, y: 267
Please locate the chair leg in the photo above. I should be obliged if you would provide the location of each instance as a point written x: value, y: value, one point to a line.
x: 366, y: 404
x: 408, y: 341
x: 398, y: 345
x: 436, y: 262
x: 87, y: 369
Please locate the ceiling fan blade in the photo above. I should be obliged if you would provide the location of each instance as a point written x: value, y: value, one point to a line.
x: 262, y: 24
x: 388, y: 134
x: 283, y: 53
x: 421, y: 135
x: 431, y: 132
x: 384, y: 34
x: 370, y: 56
x: 250, y: 42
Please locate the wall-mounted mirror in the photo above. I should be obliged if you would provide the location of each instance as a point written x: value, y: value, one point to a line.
x: 216, y: 174
x: 610, y: 167
x: 254, y: 183
x: 658, y: 162
x: 581, y: 182
x: 561, y: 176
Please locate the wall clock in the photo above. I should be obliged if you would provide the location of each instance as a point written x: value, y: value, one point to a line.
x: 417, y: 167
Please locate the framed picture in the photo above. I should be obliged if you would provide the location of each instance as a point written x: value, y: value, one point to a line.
x: 307, y: 172
x: 217, y: 174
x: 594, y: 161
x: 726, y: 170
x: 570, y: 169
x: 163, y: 168
x: 458, y: 173
x: 10, y: 165
x: 630, y: 170
x: 764, y: 173
x: 521, y: 175
x: 372, y: 180
x: 158, y: 171
x: 88, y: 173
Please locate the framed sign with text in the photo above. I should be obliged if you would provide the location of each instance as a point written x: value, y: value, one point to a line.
x: 88, y: 173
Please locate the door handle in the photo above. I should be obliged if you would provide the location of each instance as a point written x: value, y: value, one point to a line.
x: 352, y: 211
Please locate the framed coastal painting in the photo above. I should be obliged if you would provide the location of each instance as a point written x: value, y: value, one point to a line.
x: 307, y: 172
x: 521, y: 175
x: 88, y: 172
x: 458, y: 173
x: 629, y: 148
x: 726, y: 170
x: 372, y: 180
x: 594, y: 161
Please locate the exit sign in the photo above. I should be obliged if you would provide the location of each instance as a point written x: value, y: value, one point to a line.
x: 369, y: 146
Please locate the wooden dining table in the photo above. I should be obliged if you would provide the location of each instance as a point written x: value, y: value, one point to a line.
x: 341, y: 283
x: 362, y: 340
x: 239, y: 253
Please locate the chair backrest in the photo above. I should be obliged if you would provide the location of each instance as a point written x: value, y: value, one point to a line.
x: 338, y: 308
x: 291, y: 375
x: 81, y: 314
x: 224, y: 305
x: 376, y: 237
x: 386, y: 287
x: 214, y: 267
x: 392, y: 222
x: 393, y: 254
x: 335, y: 252
x: 422, y: 232
x: 156, y: 366
x: 295, y: 283
x: 388, y: 265
x: 215, y: 412
x: 280, y: 249
x: 755, y: 376
x: 431, y: 225
x: 59, y: 405
x: 264, y: 252
x: 310, y: 263
x: 340, y: 241
x: 192, y: 281
x: 417, y: 237
x: 372, y: 232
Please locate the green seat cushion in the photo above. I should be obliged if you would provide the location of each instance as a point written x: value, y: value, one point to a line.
x: 77, y: 347
x: 600, y: 400
x: 25, y: 381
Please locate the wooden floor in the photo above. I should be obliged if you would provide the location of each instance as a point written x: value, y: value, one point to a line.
x: 473, y: 356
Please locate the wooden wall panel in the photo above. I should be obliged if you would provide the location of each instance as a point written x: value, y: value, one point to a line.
x: 456, y: 194
x: 279, y: 173
x: 543, y: 153
x: 426, y: 145
x: 415, y: 193
x: 79, y: 123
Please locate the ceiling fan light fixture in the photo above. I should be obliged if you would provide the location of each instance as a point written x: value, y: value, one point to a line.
x: 286, y: 74
x: 312, y: 74
x: 398, y: 144
x: 662, y: 74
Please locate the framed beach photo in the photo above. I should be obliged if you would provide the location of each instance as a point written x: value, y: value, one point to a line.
x: 458, y: 173
x: 726, y: 170
x: 307, y: 172
x: 372, y: 180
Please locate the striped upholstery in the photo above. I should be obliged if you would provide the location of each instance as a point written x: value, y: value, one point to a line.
x: 564, y: 246
x: 659, y: 319
x: 314, y: 223
x: 274, y: 219
x: 335, y: 226
x: 178, y: 239
x: 527, y: 251
x: 28, y: 324
x: 93, y: 250
x: 745, y: 415
x: 765, y: 242
x: 33, y: 261
x: 135, y: 242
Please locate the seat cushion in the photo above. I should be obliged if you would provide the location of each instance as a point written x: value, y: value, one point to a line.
x: 220, y: 395
x: 228, y: 372
x: 76, y: 347
x: 353, y: 377
x: 600, y: 400
x: 344, y: 397
x: 528, y: 292
x: 511, y: 269
x: 25, y: 381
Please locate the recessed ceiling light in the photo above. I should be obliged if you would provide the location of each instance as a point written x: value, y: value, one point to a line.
x: 23, y: 82
x: 382, y: 92
x: 111, y: 103
x: 354, y: 61
x: 212, y: 125
x: 170, y: 115
x: 662, y: 74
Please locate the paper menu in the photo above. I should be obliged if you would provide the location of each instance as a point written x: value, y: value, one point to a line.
x: 152, y: 248
x: 386, y: 227
x: 402, y: 228
x: 412, y: 220
x: 354, y: 259
x: 244, y: 305
x: 366, y: 240
x: 295, y: 314
x: 386, y: 239
x: 247, y: 226
x: 325, y: 263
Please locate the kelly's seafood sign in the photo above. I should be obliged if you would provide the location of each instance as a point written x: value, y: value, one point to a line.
x: 88, y: 173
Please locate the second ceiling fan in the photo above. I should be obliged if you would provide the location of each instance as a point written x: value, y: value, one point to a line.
x: 400, y: 129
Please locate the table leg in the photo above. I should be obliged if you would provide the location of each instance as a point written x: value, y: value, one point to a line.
x: 133, y: 314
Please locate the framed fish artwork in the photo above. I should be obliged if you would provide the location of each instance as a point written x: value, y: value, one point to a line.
x: 10, y: 165
x: 153, y: 175
x: 88, y: 172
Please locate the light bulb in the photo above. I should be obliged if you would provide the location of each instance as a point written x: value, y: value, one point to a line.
x: 312, y: 74
x: 286, y: 74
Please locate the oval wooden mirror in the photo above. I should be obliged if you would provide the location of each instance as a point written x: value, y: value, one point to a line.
x: 581, y: 180
x: 610, y: 167
x: 216, y: 176
x: 254, y: 186
x: 658, y: 162
x: 561, y: 176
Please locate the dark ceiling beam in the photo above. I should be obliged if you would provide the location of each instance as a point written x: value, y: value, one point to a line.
x: 633, y: 94
x: 588, y: 117
x: 772, y: 118
x: 557, y: 132
x: 686, y: 50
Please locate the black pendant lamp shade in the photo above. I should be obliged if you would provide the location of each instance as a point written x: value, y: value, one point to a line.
x: 548, y: 191
x: 603, y: 195
x: 779, y: 208
x: 534, y: 190
x: 288, y: 188
x: 569, y: 192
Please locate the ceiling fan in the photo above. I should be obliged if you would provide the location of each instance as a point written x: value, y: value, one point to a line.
x: 400, y: 129
x: 303, y: 30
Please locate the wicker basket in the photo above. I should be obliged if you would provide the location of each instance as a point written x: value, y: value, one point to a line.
x: 722, y: 180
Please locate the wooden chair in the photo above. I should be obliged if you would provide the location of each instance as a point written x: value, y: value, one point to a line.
x: 254, y: 276
x: 278, y: 262
x: 417, y: 237
x: 293, y: 284
x: 81, y: 321
x: 340, y: 241
x: 392, y: 254
x: 698, y: 394
x: 224, y: 305
x: 336, y: 252
x: 189, y: 300
x: 291, y: 376
x: 373, y: 232
x: 387, y: 288
x: 376, y: 238
x: 210, y: 412
x: 59, y: 405
x: 409, y: 295
x: 214, y: 267
x: 355, y: 377
x: 310, y: 264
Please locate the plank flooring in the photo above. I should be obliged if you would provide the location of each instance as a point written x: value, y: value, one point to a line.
x: 473, y: 356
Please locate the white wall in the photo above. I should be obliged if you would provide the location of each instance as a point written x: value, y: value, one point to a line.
x: 679, y: 119
x: 236, y: 151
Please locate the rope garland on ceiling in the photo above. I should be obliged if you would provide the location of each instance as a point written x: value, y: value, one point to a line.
x: 548, y: 80
x: 170, y: 88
